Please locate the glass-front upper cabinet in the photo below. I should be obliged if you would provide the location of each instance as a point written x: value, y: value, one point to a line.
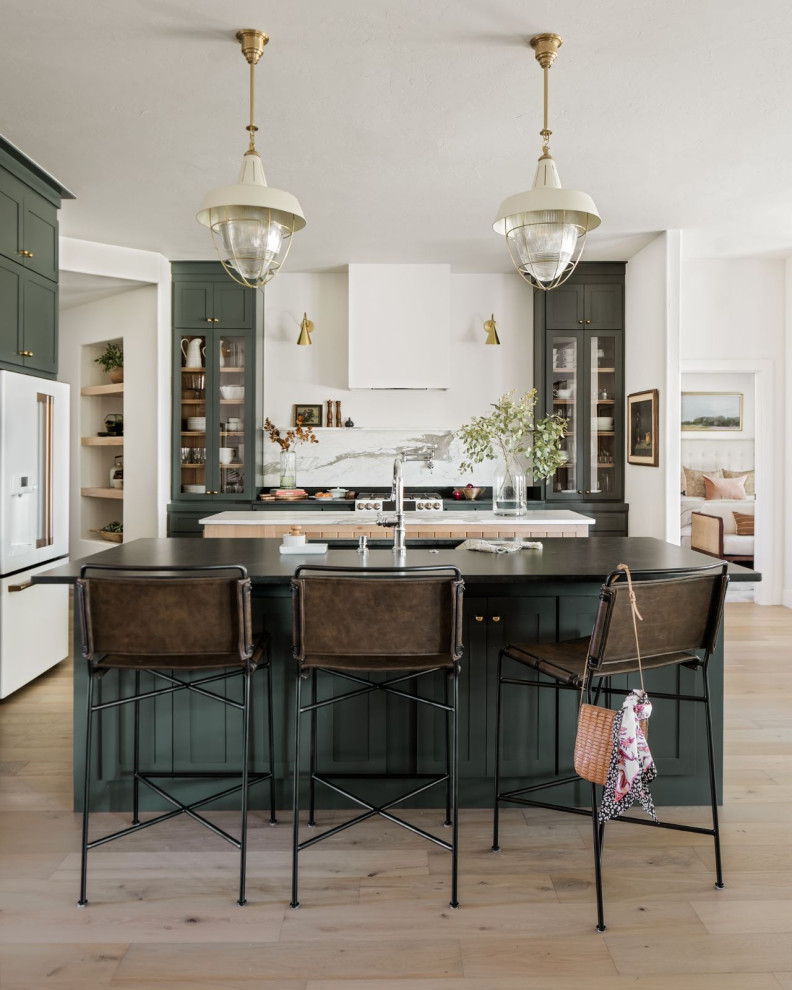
x: 583, y: 384
x: 213, y: 415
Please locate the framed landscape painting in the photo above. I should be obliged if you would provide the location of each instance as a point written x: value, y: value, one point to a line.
x: 713, y: 411
x: 642, y: 428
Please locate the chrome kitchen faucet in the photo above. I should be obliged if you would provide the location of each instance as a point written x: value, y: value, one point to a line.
x: 425, y: 454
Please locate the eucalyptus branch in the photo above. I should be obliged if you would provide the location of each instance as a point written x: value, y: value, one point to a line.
x: 512, y: 431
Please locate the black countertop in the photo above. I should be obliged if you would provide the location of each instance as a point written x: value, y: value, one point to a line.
x: 565, y: 560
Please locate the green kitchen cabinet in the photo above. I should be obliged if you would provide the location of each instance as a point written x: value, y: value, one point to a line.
x: 579, y: 344
x: 205, y: 296
x: 29, y: 201
x: 28, y: 321
x: 214, y: 415
x: 28, y: 227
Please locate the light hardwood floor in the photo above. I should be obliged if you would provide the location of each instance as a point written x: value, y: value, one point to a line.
x: 375, y: 916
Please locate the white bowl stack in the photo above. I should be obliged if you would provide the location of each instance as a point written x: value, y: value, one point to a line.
x: 196, y: 424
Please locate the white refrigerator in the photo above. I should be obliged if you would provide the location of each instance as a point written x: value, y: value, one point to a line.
x: 34, y: 525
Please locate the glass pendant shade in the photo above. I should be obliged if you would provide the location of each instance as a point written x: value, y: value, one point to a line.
x: 251, y: 224
x: 546, y: 228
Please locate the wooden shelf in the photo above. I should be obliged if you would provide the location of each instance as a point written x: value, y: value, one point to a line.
x: 230, y: 371
x: 193, y: 402
x: 195, y: 371
x: 568, y: 371
x: 110, y: 389
x: 102, y: 492
x: 102, y: 441
x: 234, y: 465
x: 193, y: 433
x: 609, y: 370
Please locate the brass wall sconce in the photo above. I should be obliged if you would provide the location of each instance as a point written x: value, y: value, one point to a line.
x: 491, y: 330
x: 306, y: 329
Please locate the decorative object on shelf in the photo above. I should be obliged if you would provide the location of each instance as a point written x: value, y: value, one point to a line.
x: 712, y: 411
x: 306, y: 329
x: 251, y: 224
x: 309, y: 415
x: 112, y: 360
x: 113, y: 532
x: 114, y: 425
x: 643, y: 442
x: 329, y: 412
x: 513, y: 437
x: 117, y: 472
x: 338, y: 421
x: 546, y: 228
x: 288, y: 458
x: 349, y: 423
x: 193, y: 350
x: 491, y: 330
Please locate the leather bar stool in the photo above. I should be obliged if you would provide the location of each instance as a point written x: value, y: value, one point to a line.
x: 189, y: 628
x: 403, y: 623
x: 681, y: 618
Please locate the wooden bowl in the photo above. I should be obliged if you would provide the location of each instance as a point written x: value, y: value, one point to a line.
x: 471, y: 494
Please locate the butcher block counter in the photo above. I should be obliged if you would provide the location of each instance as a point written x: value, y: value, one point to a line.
x: 535, y: 524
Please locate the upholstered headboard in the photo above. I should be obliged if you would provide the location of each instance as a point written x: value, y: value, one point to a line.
x: 703, y: 455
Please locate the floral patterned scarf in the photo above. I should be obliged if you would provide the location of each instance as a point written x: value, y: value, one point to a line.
x: 631, y: 767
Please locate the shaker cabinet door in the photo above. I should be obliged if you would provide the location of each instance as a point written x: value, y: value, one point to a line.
x: 39, y: 322
x: 10, y: 311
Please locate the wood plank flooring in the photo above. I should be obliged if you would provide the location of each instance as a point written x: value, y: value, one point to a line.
x: 375, y: 912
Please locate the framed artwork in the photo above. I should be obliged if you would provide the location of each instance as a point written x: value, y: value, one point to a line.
x: 712, y: 411
x: 643, y: 441
x: 308, y: 415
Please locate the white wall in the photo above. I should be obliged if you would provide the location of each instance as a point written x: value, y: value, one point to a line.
x: 141, y: 316
x: 479, y: 373
x: 734, y: 322
x: 651, y: 318
x: 130, y: 317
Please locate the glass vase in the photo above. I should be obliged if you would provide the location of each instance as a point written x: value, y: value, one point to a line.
x: 508, y: 490
x: 288, y: 469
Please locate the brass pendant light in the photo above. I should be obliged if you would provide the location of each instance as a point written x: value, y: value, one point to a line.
x: 251, y: 223
x: 546, y: 228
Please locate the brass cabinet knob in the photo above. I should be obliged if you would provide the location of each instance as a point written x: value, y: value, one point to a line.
x: 580, y: 491
x: 479, y: 618
x: 496, y: 618
x: 215, y: 319
x: 580, y: 322
x: 209, y: 319
x: 588, y: 321
x: 25, y: 254
x: 26, y: 354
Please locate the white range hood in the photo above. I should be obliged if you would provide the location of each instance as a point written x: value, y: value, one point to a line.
x: 399, y: 326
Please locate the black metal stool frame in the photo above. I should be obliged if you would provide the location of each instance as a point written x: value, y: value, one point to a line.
x: 247, y: 777
x: 517, y: 796
x: 450, y: 706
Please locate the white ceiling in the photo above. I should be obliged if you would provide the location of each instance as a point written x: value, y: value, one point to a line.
x: 401, y: 124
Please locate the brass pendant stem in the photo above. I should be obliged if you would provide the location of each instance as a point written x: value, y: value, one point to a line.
x: 546, y: 47
x: 252, y: 127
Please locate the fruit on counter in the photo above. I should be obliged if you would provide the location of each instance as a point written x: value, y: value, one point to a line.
x: 323, y: 495
x: 457, y: 494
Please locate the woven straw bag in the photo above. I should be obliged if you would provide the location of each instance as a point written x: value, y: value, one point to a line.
x: 594, y: 740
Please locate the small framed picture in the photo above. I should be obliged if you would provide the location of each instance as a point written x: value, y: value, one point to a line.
x: 712, y: 411
x: 643, y: 441
x: 308, y: 415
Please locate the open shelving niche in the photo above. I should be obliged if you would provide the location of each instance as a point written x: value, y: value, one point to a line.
x: 100, y: 504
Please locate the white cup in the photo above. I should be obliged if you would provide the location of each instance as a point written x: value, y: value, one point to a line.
x: 293, y: 540
x: 226, y: 455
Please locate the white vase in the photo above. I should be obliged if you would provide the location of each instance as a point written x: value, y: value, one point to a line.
x: 508, y: 490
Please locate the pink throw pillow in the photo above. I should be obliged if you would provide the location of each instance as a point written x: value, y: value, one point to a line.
x: 733, y: 488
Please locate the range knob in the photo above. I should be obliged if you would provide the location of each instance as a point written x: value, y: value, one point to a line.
x: 369, y: 505
x: 420, y: 505
x: 438, y: 505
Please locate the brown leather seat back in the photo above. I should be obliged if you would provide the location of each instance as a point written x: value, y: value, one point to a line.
x: 372, y: 622
x: 679, y: 615
x: 166, y: 616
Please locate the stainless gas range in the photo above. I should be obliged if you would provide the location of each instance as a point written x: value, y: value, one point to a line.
x: 413, y: 502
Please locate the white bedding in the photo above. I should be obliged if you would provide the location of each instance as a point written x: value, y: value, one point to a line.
x: 723, y: 507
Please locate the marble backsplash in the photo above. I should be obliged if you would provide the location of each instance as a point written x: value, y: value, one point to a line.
x: 357, y: 458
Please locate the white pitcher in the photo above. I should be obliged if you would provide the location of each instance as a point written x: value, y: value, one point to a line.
x: 193, y: 351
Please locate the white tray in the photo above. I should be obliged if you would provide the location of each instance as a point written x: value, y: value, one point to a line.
x: 305, y: 548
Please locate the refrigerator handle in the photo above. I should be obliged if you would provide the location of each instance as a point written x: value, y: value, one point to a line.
x: 45, y: 420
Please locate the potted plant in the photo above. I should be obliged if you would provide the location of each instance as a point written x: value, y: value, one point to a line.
x: 513, y: 437
x: 288, y: 457
x: 112, y: 360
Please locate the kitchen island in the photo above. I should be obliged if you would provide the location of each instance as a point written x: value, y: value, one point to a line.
x: 529, y: 595
x: 535, y: 524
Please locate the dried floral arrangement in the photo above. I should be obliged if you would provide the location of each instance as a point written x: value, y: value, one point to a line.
x: 512, y: 431
x: 300, y: 434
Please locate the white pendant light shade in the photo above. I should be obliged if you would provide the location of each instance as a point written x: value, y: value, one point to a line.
x: 251, y: 224
x: 546, y: 227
